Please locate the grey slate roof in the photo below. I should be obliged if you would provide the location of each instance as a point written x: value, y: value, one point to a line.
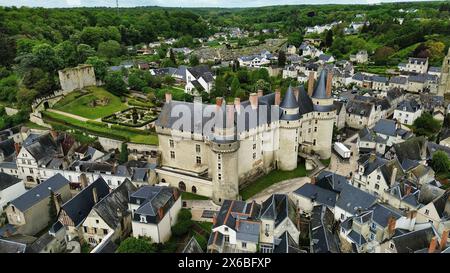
x: 322, y: 239
x: 116, y: 201
x: 192, y: 246
x: 398, y: 80
x: 7, y: 246
x: 414, y: 241
x: 410, y: 106
x: 320, y: 91
x: 286, y: 244
x: 352, y: 199
x: 7, y: 181
x: 357, y: 238
x: 317, y: 194
x: 359, y: 108
x: 382, y: 213
x: 41, y: 147
x: 331, y: 181
x: 79, y: 207
x: 40, y: 192
x: 7, y: 147
x: 278, y: 207
x: 386, y: 127
x: 289, y: 101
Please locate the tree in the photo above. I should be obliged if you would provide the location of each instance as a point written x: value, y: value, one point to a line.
x: 114, y: 83
x: 7, y: 50
x: 262, y: 85
x: 235, y: 86
x: 220, y: 87
x: 295, y: 38
x: 44, y: 57
x: 84, y: 52
x: 52, y: 213
x: 281, y: 58
x: 109, y: 49
x: 329, y: 38
x: 100, y: 67
x: 426, y: 125
x: 193, y: 60
x: 136, y: 245
x: 135, y: 81
x: 172, y: 57
x: 440, y: 162
x: 382, y: 55
x: 123, y: 156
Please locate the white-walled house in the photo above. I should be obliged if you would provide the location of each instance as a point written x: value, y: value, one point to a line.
x: 154, y: 210
x: 310, y: 195
x: 416, y: 65
x: 11, y: 187
x: 351, y: 200
x: 198, y: 79
x: 407, y: 112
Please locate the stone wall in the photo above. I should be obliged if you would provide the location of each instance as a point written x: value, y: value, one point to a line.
x: 77, y: 77
x: 11, y: 111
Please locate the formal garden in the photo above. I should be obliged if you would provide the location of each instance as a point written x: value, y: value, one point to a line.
x: 132, y: 117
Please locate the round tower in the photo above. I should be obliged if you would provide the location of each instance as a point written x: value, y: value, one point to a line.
x: 288, y: 133
x: 224, y: 156
x: 324, y: 115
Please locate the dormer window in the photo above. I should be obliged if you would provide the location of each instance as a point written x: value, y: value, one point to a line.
x: 143, y: 219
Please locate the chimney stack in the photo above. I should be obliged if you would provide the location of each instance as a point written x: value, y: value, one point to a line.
x: 277, y: 96
x: 295, y: 90
x: 329, y: 83
x: 230, y: 115
x: 94, y: 195
x: 260, y: 93
x: 83, y: 181
x: 311, y: 83
x: 17, y: 147
x: 237, y: 104
x: 391, y: 226
x: 432, y: 246
x: 168, y: 97
x: 219, y: 101
x: 394, y: 175
x: 408, y: 189
x: 58, y: 202
x: 54, y: 134
x: 313, y: 180
x: 444, y: 238
x: 254, y: 100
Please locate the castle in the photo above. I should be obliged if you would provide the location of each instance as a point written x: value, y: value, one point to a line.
x: 213, y: 150
x: 444, y: 86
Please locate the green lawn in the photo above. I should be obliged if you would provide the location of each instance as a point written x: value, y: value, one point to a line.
x: 124, y: 135
x: 270, y: 179
x: 79, y: 104
x: 33, y: 125
x: 135, y: 102
x: 192, y: 196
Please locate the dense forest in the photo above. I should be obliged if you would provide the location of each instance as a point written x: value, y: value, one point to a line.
x: 36, y: 42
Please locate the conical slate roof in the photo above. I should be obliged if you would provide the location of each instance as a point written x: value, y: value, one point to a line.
x: 289, y: 100
x: 304, y: 101
x: 320, y: 91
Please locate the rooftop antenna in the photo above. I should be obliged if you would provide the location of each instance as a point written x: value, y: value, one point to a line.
x: 117, y: 5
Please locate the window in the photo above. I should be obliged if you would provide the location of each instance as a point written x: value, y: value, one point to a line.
x: 219, y: 166
x: 143, y: 219
x: 85, y: 229
x: 219, y: 176
x: 199, y: 160
x: 254, y: 155
x: 315, y: 129
x: 226, y: 229
x: 105, y: 231
x: 378, y: 177
x: 197, y: 148
x: 244, y: 245
x: 172, y: 154
x: 427, y: 212
x: 314, y: 142
x: 96, y: 221
x: 342, y: 216
x: 254, y: 146
x: 391, y: 246
x: 227, y: 239
x: 95, y: 230
x: 219, y: 156
x: 171, y: 144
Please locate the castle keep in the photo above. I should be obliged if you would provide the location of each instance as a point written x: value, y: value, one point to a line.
x: 248, y: 138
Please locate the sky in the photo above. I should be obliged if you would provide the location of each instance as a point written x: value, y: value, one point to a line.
x: 181, y: 3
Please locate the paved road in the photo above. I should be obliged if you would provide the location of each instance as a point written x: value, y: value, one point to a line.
x: 345, y: 167
x: 283, y: 187
x: 68, y: 115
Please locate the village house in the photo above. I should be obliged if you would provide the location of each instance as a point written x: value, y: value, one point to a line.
x: 436, y: 212
x: 75, y: 211
x: 351, y: 200
x: 415, y: 65
x: 278, y: 215
x: 236, y: 228
x: 368, y: 141
x: 291, y: 49
x: 109, y: 215
x: 399, y: 82
x: 361, y: 114
x: 29, y: 213
x: 407, y: 112
x: 310, y: 195
x: 8, y: 150
x: 11, y: 187
x: 262, y: 59
x: 290, y: 71
x: 340, y: 114
x: 198, y: 79
x: 380, y: 83
x: 425, y: 240
x: 361, y: 57
x: 154, y: 210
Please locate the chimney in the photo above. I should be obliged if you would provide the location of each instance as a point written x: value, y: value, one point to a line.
x: 329, y: 83
x: 311, y: 83
x: 254, y: 100
x: 444, y: 238
x: 214, y: 219
x: 219, y: 101
x: 313, y: 180
x: 83, y: 181
x: 168, y: 97
x: 119, y: 213
x: 432, y: 246
x: 277, y: 97
x: 17, y: 147
x: 237, y: 104
x: 230, y: 115
x: 295, y: 90
x: 393, y: 176
x: 58, y: 202
x: 237, y: 223
x: 260, y: 93
x: 391, y: 226
x: 94, y: 195
x: 408, y: 189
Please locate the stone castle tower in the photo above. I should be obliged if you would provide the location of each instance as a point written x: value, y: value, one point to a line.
x: 224, y: 155
x: 444, y: 86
